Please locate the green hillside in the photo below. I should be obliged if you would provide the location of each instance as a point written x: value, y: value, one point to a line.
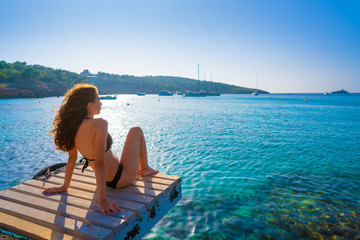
x: 19, y: 79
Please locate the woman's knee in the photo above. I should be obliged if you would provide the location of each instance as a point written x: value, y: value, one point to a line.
x: 136, y: 131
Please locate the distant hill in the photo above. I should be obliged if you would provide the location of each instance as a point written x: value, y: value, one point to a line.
x: 113, y: 83
x: 18, y: 80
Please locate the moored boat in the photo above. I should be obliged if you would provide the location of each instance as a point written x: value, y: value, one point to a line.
x: 195, y: 94
x: 255, y: 92
x: 108, y: 97
x: 342, y: 91
x: 199, y: 92
x: 165, y: 93
x: 212, y: 94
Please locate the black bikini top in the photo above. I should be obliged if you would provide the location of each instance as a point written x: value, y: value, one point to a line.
x: 109, y: 143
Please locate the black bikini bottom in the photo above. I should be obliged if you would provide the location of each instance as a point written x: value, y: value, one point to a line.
x: 113, y: 183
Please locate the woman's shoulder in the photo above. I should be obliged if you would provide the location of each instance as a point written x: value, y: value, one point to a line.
x: 100, y: 123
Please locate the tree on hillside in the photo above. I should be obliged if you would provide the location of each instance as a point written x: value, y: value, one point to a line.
x: 19, y: 66
x: 12, y: 75
x: 48, y: 76
x: 3, y: 78
x: 85, y: 73
x: 29, y: 75
x: 3, y: 65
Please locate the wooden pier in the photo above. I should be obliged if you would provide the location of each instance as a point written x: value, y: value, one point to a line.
x: 74, y: 214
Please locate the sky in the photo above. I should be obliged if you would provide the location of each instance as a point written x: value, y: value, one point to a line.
x: 290, y: 46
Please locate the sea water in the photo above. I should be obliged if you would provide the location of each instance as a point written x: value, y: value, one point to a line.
x: 253, y: 167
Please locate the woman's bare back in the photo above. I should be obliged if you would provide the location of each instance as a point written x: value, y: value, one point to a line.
x: 85, y: 143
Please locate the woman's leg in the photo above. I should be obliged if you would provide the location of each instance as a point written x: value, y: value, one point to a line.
x: 134, y: 157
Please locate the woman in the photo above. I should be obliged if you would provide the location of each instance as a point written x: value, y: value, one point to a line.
x: 75, y: 129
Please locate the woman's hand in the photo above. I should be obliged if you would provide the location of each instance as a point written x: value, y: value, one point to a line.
x: 54, y: 190
x: 107, y: 207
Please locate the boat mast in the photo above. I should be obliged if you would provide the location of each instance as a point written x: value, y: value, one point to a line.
x: 198, y: 79
x: 205, y: 81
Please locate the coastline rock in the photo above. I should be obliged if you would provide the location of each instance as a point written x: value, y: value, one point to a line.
x: 26, y: 93
x: 7, y: 92
x: 28, y: 90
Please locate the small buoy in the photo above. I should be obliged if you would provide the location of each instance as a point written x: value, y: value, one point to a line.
x: 305, y: 100
x: 159, y: 100
x: 172, y: 98
x: 39, y: 102
x: 269, y: 97
x: 280, y: 98
x: 128, y: 104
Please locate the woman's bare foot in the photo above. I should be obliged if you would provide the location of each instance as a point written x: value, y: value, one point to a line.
x: 148, y: 171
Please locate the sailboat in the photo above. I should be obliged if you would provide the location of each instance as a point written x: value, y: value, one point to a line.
x: 140, y: 93
x: 165, y: 93
x: 342, y: 91
x: 255, y: 93
x: 108, y: 97
x: 198, y: 93
x: 212, y: 93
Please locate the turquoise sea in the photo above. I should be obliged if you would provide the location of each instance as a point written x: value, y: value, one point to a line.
x: 252, y: 167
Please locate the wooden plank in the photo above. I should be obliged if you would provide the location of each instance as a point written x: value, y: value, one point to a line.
x: 92, y: 180
x: 91, y: 188
x: 118, y: 193
x: 158, y: 179
x: 64, y: 197
x: 71, y: 192
x: 67, y: 225
x: 59, y: 208
x: 79, y: 178
x: 177, y: 179
x: 112, y: 196
x: 150, y: 185
x: 90, y: 173
x: 30, y: 230
x: 136, y: 208
x: 153, y: 179
x: 145, y: 191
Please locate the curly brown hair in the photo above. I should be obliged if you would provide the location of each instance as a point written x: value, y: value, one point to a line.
x: 72, y: 112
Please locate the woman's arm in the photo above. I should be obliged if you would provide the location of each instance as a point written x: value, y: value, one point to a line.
x: 99, y: 163
x: 100, y: 171
x: 68, y: 174
x: 73, y: 153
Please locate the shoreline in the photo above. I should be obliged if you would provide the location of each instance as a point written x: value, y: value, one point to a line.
x: 226, y: 94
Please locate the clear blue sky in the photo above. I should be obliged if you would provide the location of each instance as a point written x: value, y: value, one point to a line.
x: 293, y: 45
